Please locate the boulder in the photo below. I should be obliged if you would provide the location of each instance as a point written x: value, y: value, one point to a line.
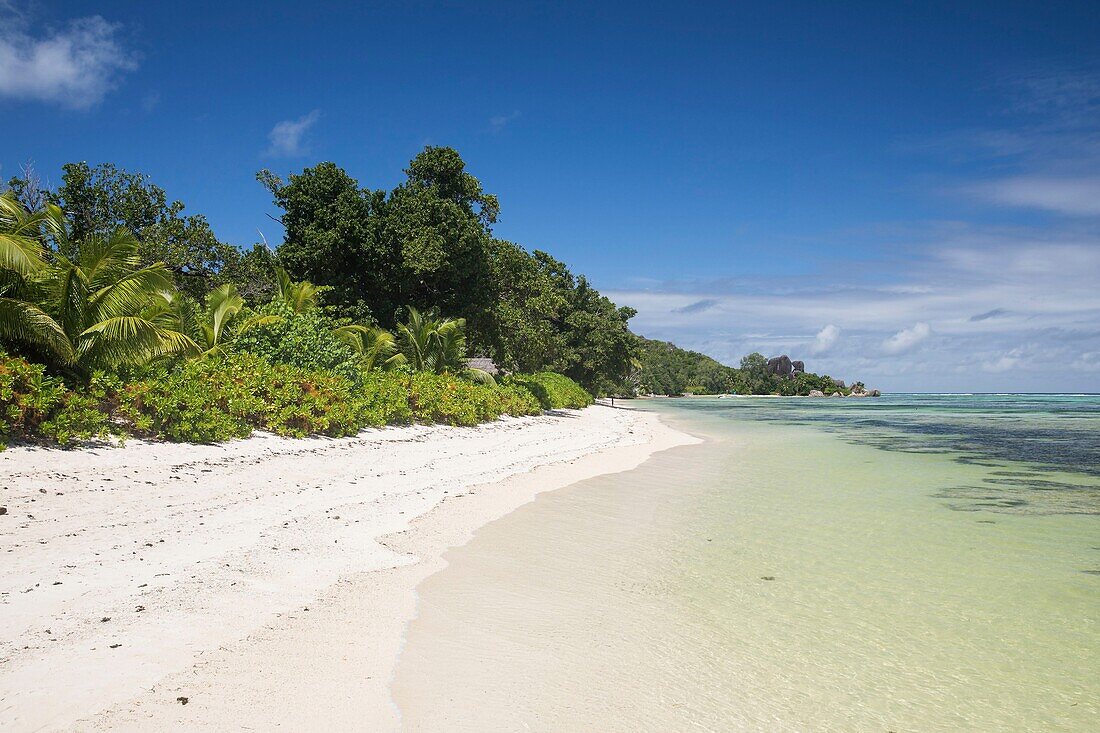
x: 798, y: 367
x: 780, y: 366
x: 840, y: 383
x: 835, y: 394
x: 816, y: 393
x: 875, y: 393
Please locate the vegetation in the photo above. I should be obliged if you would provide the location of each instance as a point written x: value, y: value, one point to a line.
x: 553, y: 391
x: 36, y: 406
x: 121, y: 313
x: 669, y: 370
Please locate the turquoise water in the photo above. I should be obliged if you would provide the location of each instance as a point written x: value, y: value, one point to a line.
x: 912, y: 563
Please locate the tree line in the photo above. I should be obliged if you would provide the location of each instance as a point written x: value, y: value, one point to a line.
x: 374, y: 255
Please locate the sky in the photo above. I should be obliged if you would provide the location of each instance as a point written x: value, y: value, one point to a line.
x: 906, y: 193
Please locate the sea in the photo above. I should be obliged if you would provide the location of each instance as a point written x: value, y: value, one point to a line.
x: 913, y: 562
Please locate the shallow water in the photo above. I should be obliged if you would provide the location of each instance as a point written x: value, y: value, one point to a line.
x: 814, y: 565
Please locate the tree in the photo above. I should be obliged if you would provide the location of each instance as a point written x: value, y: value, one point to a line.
x: 23, y: 270
x: 426, y: 244
x: 332, y: 239
x: 600, y: 347
x: 436, y: 224
x: 90, y: 305
x: 530, y: 308
x: 99, y: 200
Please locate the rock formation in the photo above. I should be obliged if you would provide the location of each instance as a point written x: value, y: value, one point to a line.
x: 780, y: 366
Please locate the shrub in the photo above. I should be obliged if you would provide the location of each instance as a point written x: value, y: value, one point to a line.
x: 445, y: 398
x: 303, y: 340
x: 384, y: 398
x: 216, y: 399
x: 210, y: 400
x: 34, y: 406
x: 553, y: 391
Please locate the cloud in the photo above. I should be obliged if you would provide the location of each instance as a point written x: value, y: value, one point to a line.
x: 74, y: 67
x: 982, y: 290
x: 826, y: 338
x: 1005, y: 363
x: 698, y: 306
x: 499, y: 122
x: 905, y: 339
x: 1075, y: 196
x: 287, y: 138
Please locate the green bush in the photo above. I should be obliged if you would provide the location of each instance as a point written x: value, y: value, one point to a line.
x: 553, y: 391
x: 303, y: 340
x: 383, y: 398
x: 210, y: 400
x: 445, y: 398
x: 34, y: 406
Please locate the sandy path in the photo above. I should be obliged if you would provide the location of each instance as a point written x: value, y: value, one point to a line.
x: 135, y: 576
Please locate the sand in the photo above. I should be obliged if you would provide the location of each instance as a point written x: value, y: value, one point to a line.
x: 260, y: 584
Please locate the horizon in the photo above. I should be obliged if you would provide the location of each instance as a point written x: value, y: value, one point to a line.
x: 907, y: 197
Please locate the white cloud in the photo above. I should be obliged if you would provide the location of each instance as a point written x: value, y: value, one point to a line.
x: 826, y: 338
x: 287, y: 138
x: 1005, y: 363
x: 906, y: 339
x: 1076, y: 196
x: 499, y: 122
x: 1033, y: 288
x: 74, y: 67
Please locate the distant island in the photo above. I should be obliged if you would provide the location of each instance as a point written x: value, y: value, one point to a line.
x: 666, y: 369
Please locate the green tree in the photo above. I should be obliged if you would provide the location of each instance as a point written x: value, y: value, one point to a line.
x: 99, y: 200
x: 530, y: 308
x: 332, y: 239
x: 90, y: 305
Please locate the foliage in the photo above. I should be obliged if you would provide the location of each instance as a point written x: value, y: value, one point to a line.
x: 670, y: 370
x: 34, y: 406
x: 210, y: 400
x: 553, y: 391
x: 428, y: 343
x: 300, y: 296
x: 445, y: 398
x: 102, y: 199
x: 218, y: 399
x: 427, y: 245
x: 376, y: 347
x: 90, y: 305
x: 306, y: 340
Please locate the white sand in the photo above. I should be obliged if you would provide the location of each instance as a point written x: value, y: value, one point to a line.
x: 251, y: 577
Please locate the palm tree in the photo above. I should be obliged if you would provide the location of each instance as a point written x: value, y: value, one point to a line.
x: 375, y: 346
x: 108, y: 304
x: 95, y: 309
x: 431, y: 344
x: 22, y: 258
x: 301, y: 296
x: 212, y: 327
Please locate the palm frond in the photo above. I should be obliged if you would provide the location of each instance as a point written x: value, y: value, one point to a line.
x: 479, y: 376
x: 27, y: 323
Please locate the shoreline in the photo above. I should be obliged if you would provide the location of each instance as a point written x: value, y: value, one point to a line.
x: 225, y: 623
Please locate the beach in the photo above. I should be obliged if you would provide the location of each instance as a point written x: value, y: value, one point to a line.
x: 259, y: 583
x: 908, y: 564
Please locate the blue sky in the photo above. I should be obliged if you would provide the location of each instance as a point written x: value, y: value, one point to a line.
x: 909, y: 193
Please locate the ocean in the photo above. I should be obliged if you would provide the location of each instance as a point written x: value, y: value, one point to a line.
x: 905, y: 563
